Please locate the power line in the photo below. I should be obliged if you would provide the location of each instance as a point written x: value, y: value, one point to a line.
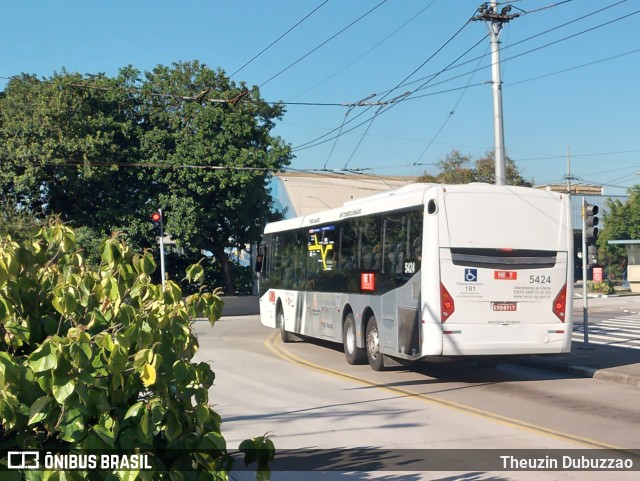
x: 280, y: 37
x: 619, y: 152
x: 318, y: 140
x: 588, y: 64
x: 389, y: 104
x: 451, y: 113
x: 307, y: 144
x: 530, y: 51
x: 525, y: 12
x: 322, y: 44
x: 371, y: 49
x: 557, y: 27
x: 380, y: 110
x: 430, y: 77
x: 166, y: 166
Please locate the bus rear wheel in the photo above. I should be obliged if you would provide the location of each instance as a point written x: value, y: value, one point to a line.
x: 372, y: 341
x: 353, y: 353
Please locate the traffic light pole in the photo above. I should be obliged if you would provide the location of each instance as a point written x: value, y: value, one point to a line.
x: 585, y: 289
x: 161, y: 241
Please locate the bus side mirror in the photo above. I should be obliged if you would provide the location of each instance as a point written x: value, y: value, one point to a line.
x: 259, y: 258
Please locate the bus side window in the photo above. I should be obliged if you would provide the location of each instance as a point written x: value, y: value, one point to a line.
x: 266, y: 261
x: 259, y: 259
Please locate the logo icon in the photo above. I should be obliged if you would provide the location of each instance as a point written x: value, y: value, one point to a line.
x: 471, y: 275
x: 23, y: 459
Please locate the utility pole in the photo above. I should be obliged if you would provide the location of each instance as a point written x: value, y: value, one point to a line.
x: 569, y: 177
x: 495, y: 21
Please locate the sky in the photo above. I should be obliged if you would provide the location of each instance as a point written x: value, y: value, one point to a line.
x: 403, y: 82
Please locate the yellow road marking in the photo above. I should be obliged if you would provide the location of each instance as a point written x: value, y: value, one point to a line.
x: 281, y: 352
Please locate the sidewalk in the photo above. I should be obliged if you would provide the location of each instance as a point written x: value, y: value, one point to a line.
x: 608, y: 363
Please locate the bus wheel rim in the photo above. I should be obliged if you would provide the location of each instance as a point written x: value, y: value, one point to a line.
x: 372, y: 344
x: 351, y: 339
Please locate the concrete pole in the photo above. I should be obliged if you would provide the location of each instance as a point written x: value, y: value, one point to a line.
x: 495, y: 25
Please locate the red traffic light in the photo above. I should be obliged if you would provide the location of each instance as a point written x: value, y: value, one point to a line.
x: 156, y: 220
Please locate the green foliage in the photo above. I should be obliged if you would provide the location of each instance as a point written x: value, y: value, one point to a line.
x: 456, y: 168
x: 621, y: 221
x: 16, y: 222
x: 101, y: 358
x: 103, y: 153
x: 604, y: 287
x: 212, y: 275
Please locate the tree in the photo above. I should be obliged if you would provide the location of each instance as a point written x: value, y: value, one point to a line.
x: 103, y: 153
x: 620, y: 221
x: 218, y: 157
x: 64, y: 144
x: 456, y: 168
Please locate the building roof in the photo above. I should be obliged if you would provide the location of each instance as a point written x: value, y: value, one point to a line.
x: 302, y: 194
x: 585, y: 189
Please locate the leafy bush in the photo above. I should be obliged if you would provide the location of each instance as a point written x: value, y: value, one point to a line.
x: 604, y: 287
x: 100, y: 358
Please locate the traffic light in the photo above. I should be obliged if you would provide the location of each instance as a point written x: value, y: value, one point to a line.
x: 591, y: 221
x: 592, y: 253
x: 156, y: 220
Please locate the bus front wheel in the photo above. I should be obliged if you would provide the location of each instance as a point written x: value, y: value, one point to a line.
x: 284, y: 335
x: 374, y: 356
x: 353, y: 353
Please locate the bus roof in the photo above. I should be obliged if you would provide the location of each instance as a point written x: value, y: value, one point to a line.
x: 407, y: 196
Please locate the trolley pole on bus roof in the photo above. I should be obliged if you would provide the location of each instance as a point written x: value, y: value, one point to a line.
x: 495, y: 21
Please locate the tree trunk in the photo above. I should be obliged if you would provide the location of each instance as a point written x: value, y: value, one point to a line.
x: 221, y: 256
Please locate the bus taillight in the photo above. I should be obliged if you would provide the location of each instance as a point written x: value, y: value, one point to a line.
x: 447, y: 306
x: 560, y: 303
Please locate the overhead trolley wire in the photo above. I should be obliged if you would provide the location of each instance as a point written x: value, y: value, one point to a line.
x: 382, y: 109
x: 557, y: 27
x: 381, y: 103
x: 576, y: 67
x: 370, y: 49
x: 322, y: 44
x: 451, y: 113
x: 280, y: 37
x: 319, y: 140
x: 386, y: 105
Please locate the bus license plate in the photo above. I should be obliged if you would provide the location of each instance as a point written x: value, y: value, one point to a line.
x: 505, y: 306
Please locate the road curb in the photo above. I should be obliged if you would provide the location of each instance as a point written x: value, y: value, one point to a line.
x: 600, y: 374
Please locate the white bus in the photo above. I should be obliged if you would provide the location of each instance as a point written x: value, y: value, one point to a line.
x: 427, y: 270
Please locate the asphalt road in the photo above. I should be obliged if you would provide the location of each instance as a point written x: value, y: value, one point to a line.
x: 306, y: 396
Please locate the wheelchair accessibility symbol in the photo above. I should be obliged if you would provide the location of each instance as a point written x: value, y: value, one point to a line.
x: 471, y: 275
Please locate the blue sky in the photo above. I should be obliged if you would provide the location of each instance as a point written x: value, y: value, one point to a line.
x: 569, y: 83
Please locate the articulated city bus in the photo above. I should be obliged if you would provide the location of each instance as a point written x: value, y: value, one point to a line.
x: 473, y: 270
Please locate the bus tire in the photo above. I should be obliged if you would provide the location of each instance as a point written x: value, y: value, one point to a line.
x: 372, y: 342
x: 353, y: 353
x: 286, y: 336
